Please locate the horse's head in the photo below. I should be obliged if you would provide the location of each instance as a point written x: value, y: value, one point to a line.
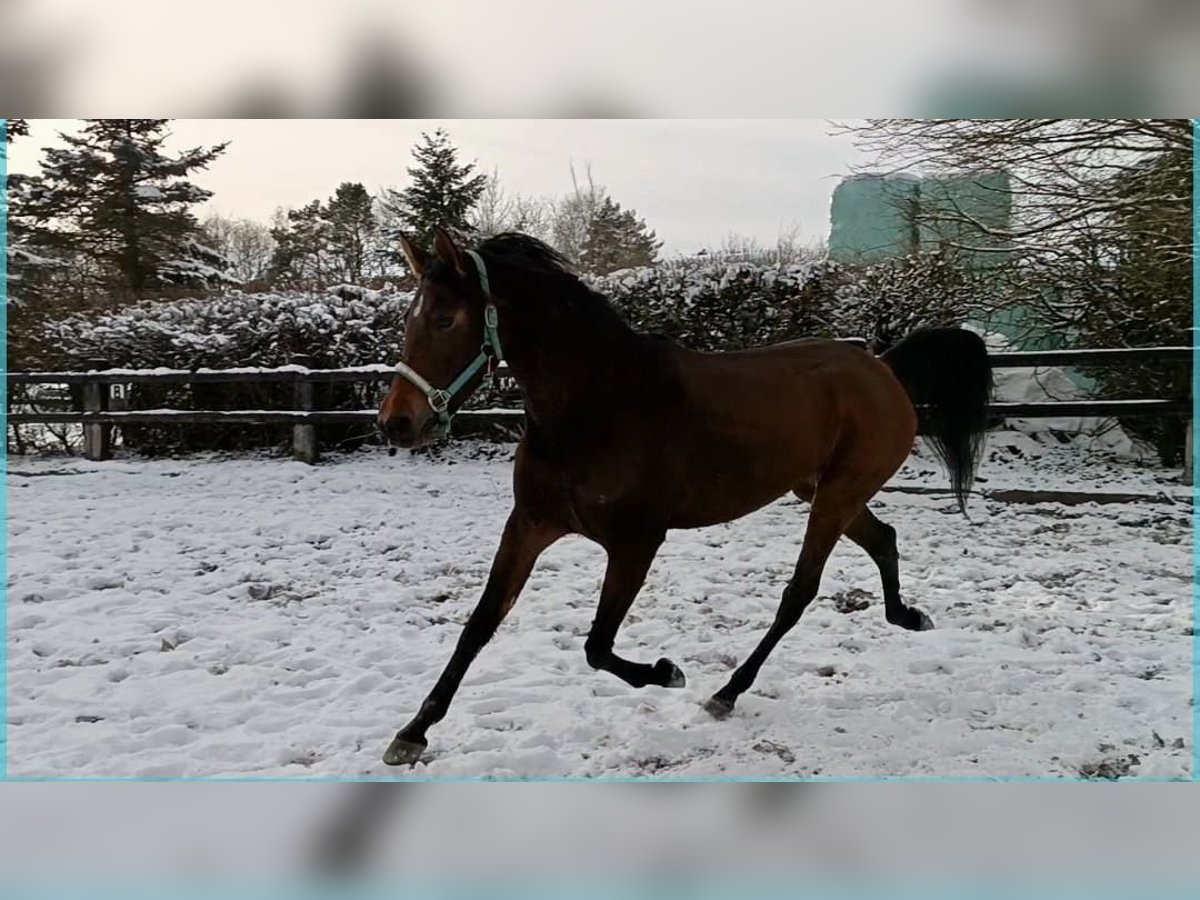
x: 450, y: 340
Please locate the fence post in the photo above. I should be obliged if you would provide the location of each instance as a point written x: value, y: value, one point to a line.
x: 97, y: 438
x: 304, y: 437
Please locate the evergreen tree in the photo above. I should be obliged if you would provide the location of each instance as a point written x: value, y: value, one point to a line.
x: 323, y: 243
x: 616, y: 239
x: 14, y: 128
x: 302, y: 247
x: 112, y: 200
x: 442, y: 193
x: 29, y: 271
x: 352, y: 230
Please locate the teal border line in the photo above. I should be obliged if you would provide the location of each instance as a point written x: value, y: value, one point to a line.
x: 4, y: 450
x: 384, y: 779
x: 1195, y: 446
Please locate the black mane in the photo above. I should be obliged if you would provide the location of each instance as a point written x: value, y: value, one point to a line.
x: 548, y: 282
x: 520, y: 251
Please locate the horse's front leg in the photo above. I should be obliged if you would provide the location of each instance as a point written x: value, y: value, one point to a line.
x: 628, y: 562
x: 523, y: 541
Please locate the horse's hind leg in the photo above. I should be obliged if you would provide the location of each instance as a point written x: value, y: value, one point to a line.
x: 628, y: 564
x: 832, y: 511
x: 879, y: 540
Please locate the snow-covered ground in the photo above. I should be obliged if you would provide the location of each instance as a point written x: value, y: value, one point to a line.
x: 259, y: 617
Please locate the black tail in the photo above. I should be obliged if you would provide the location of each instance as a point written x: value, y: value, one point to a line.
x: 948, y: 375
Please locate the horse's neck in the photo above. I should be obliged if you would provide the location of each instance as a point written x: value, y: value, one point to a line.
x: 553, y: 385
x: 564, y: 377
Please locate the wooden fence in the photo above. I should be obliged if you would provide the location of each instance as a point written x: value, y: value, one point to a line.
x: 97, y: 417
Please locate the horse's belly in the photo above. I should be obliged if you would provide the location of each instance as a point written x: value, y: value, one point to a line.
x: 712, y: 498
x: 703, y: 517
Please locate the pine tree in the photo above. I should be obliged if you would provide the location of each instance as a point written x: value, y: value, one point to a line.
x: 302, y: 255
x: 14, y: 128
x: 115, y: 201
x: 442, y: 193
x: 352, y: 229
x: 323, y: 243
x: 29, y: 271
x: 616, y: 239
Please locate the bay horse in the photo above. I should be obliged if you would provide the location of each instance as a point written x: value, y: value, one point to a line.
x: 629, y: 435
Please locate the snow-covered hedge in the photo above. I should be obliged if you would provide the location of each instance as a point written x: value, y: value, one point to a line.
x: 347, y: 326
x: 730, y: 306
x: 725, y: 307
x: 708, y: 307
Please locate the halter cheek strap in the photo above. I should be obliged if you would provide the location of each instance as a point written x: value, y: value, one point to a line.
x: 490, y: 355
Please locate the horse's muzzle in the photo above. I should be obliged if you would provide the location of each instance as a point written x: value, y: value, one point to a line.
x: 403, y: 432
x: 398, y: 430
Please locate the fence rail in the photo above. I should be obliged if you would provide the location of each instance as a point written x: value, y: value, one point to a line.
x: 1050, y: 410
x: 363, y: 374
x: 97, y: 418
x: 281, y: 375
x: 231, y: 417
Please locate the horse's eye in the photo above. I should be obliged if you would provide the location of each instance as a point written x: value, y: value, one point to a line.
x: 443, y: 323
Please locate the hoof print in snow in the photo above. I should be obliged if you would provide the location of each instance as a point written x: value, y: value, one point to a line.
x: 260, y: 591
x: 853, y: 600
x: 305, y: 758
x: 652, y: 765
x: 1177, y: 744
x: 1110, y: 768
x: 776, y: 749
x: 275, y: 594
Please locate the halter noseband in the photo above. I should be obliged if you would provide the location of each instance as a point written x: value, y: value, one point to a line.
x: 490, y: 354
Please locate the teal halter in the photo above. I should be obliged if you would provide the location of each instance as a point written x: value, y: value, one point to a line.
x: 490, y: 355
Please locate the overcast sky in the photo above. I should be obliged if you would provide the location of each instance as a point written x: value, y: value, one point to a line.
x: 694, y: 181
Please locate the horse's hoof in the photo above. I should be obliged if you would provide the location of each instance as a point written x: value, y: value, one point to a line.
x: 911, y: 619
x: 718, y: 707
x: 669, y: 674
x: 403, y: 752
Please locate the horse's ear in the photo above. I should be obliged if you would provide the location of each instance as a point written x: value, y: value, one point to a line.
x: 447, y: 251
x: 417, y: 258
